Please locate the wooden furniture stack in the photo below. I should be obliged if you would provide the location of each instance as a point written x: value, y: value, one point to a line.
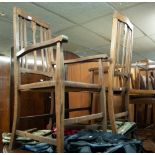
x: 27, y: 27
x: 142, y: 96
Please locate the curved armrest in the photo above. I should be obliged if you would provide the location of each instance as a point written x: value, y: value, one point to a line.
x: 42, y: 45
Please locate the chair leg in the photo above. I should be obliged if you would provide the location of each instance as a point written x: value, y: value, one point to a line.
x: 13, y: 134
x: 103, y: 109
x: 91, y: 106
x: 91, y: 96
x: 102, y: 95
x: 60, y: 99
x: 111, y: 111
x: 126, y: 98
x: 131, y: 108
x: 15, y: 120
x: 52, y: 111
x: 66, y: 104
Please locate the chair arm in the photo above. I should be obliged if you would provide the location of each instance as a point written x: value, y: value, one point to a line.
x: 44, y: 44
x: 104, y: 57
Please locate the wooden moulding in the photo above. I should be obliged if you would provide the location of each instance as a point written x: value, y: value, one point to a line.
x: 44, y: 44
x: 82, y: 118
x: 36, y: 137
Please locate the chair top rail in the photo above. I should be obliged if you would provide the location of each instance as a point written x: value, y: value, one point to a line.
x: 123, y: 19
x: 29, y: 17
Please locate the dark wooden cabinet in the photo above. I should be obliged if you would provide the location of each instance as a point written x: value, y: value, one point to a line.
x: 4, y: 92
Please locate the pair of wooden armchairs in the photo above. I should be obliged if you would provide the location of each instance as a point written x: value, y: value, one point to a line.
x: 26, y: 25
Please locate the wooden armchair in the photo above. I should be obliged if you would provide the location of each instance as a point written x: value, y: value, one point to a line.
x: 42, y: 45
x: 121, y: 56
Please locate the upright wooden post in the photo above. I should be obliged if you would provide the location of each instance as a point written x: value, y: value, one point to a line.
x: 16, y: 80
x: 111, y: 77
x: 60, y: 98
x: 102, y: 95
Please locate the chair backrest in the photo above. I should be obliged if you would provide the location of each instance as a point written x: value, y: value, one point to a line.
x: 29, y: 30
x: 121, y: 57
x: 121, y: 46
